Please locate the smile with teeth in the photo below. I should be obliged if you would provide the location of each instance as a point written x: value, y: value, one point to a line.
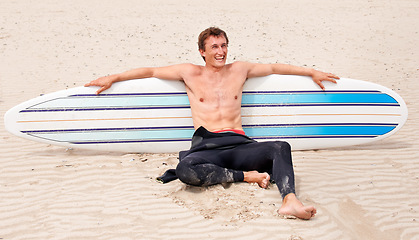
x: 219, y: 58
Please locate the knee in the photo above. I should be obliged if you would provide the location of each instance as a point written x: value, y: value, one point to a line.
x: 279, y: 146
x: 186, y: 173
x: 284, y: 146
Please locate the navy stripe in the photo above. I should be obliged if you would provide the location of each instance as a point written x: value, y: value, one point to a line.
x: 185, y: 107
x: 313, y: 91
x: 324, y: 136
x: 318, y: 124
x: 107, y: 129
x: 128, y: 94
x: 133, y: 141
x: 244, y: 92
x: 322, y: 105
x: 103, y: 109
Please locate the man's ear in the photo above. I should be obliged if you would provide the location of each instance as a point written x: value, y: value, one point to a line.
x: 202, y: 52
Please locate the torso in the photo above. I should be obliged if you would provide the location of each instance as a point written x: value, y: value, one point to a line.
x: 215, y: 97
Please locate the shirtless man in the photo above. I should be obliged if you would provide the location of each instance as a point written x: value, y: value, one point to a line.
x: 215, y: 93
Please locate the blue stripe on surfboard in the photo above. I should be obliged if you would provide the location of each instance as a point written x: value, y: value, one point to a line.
x: 117, y: 135
x: 316, y: 98
x: 318, y: 131
x: 100, y: 101
x: 256, y: 138
x: 185, y: 107
x: 174, y: 102
x: 181, y: 134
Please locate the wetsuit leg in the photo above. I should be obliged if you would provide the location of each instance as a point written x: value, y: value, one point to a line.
x: 206, y: 168
x: 221, y: 166
x: 271, y: 157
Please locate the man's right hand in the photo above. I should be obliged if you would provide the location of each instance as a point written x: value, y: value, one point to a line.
x: 102, y: 82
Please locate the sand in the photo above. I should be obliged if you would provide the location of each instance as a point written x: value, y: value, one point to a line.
x: 49, y: 192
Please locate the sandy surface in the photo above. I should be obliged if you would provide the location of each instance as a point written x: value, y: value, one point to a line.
x: 49, y: 192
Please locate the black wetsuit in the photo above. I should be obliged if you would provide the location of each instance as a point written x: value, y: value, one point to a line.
x: 222, y: 157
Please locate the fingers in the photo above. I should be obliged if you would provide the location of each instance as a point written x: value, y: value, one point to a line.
x: 332, y: 77
x: 92, y: 83
x: 331, y: 80
x: 318, y: 77
x: 98, y: 83
x: 321, y: 85
x: 101, y: 90
x: 329, y: 77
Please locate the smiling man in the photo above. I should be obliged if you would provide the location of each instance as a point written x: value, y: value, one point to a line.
x: 221, y: 152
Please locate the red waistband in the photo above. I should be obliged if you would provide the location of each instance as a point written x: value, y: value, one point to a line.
x: 231, y: 130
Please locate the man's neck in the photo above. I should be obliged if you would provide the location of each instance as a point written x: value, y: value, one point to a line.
x: 214, y: 69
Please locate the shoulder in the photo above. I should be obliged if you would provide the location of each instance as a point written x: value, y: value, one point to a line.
x: 186, y: 69
x: 189, y: 71
x: 241, y: 66
x: 190, y: 68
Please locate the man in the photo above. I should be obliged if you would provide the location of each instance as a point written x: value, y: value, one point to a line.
x: 220, y: 150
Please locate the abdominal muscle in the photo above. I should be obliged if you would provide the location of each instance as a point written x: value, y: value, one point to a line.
x: 215, y: 121
x: 217, y: 114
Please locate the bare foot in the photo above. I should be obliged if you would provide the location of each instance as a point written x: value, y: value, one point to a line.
x: 262, y: 179
x: 291, y: 206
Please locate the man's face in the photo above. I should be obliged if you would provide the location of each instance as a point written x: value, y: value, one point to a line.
x: 215, y: 51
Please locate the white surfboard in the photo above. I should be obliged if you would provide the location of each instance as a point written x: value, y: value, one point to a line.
x: 153, y: 115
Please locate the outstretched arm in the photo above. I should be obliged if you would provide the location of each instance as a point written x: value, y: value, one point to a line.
x: 259, y: 70
x: 174, y: 72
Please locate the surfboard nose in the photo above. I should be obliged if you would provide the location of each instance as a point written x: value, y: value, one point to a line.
x: 10, y: 120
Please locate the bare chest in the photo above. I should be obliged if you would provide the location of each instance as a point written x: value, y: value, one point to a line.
x: 216, y: 92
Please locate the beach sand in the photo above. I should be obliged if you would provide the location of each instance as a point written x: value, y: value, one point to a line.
x: 49, y: 192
